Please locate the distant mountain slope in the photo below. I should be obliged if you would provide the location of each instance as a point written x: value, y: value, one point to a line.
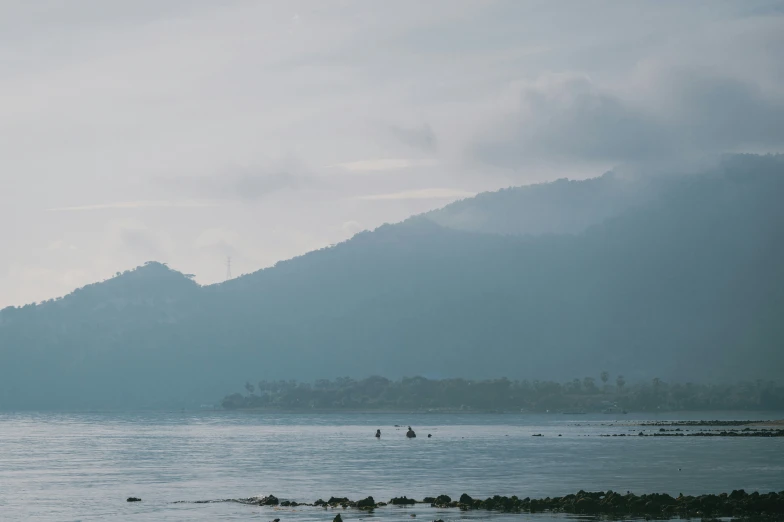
x: 559, y: 207
x: 687, y: 284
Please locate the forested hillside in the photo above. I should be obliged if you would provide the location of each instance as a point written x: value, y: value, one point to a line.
x: 684, y: 280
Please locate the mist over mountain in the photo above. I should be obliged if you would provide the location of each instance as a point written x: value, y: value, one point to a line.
x: 560, y: 207
x: 680, y: 277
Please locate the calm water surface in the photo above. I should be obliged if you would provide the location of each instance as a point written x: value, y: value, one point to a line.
x: 83, y: 466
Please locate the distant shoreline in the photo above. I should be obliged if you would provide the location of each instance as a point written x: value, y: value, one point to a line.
x: 502, y: 395
x: 773, y: 422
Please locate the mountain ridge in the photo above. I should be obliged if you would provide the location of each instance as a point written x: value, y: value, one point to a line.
x: 685, y: 284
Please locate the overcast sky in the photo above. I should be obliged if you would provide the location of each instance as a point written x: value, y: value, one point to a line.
x: 186, y: 131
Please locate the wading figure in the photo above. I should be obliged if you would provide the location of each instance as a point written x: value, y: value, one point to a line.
x: 410, y: 433
x: 378, y: 434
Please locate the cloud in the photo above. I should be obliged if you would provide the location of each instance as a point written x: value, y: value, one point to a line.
x: 74, y: 278
x: 255, y: 184
x: 248, y: 182
x: 384, y: 164
x: 136, y: 205
x: 135, y: 239
x: 684, y: 113
x: 141, y: 241
x: 60, y: 245
x: 431, y: 193
x: 351, y: 227
x: 716, y: 113
x: 420, y: 138
x: 142, y: 105
x: 218, y: 241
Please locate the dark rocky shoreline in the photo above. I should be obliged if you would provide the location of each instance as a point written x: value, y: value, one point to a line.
x: 723, y: 433
x: 706, y: 423
x: 738, y: 504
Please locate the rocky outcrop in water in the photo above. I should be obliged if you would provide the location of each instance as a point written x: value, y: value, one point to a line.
x: 736, y: 504
x: 723, y: 433
x: 402, y: 501
x: 739, y: 504
x: 441, y: 501
x: 366, y: 503
x: 702, y: 423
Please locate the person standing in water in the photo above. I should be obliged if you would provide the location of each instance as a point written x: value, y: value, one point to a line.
x: 410, y: 433
x: 378, y: 434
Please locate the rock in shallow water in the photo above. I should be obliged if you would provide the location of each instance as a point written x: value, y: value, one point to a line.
x: 366, y: 503
x: 401, y: 501
x: 270, y: 500
x: 442, y: 501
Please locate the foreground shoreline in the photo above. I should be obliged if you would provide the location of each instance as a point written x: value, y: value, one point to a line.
x: 738, y: 503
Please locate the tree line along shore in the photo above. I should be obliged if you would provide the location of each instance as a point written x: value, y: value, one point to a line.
x: 588, y: 395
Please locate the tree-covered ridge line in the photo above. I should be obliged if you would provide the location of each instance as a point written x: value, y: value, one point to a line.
x: 686, y: 284
x: 605, y: 394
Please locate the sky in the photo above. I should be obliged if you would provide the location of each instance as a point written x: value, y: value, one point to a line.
x: 188, y: 131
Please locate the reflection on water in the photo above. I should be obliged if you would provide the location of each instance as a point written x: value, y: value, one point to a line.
x: 84, y: 466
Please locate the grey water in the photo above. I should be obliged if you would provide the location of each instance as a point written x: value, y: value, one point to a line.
x: 83, y: 466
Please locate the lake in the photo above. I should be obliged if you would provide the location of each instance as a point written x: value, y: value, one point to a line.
x: 83, y: 466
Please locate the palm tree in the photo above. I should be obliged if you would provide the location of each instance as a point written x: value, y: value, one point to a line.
x: 620, y: 382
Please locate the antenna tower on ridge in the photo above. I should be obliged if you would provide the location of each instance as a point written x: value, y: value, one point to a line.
x: 228, y: 268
